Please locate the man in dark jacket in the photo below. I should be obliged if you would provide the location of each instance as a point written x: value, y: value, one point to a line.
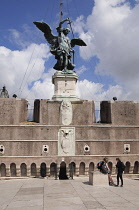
x: 120, y: 169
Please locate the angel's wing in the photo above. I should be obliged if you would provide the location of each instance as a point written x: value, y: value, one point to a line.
x: 77, y: 41
x: 45, y: 28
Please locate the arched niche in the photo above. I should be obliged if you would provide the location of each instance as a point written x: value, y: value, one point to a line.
x: 127, y: 167
x: 82, y: 168
x: 33, y: 169
x: 91, y: 166
x: 43, y: 169
x: 3, y: 169
x: 136, y: 167
x: 23, y: 169
x: 13, y: 169
x: 63, y: 171
x: 53, y: 169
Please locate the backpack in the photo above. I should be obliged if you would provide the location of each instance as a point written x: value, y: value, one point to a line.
x: 122, y: 166
x: 104, y: 169
x: 99, y: 164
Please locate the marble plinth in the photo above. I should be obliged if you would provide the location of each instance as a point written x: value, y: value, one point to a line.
x: 65, y: 86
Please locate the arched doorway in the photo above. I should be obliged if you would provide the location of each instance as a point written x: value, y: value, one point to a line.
x: 72, y: 169
x: 23, y: 169
x: 127, y: 167
x: 13, y: 169
x: 53, y: 169
x: 33, y: 169
x: 43, y: 169
x: 136, y: 167
x: 91, y: 166
x: 3, y: 169
x: 82, y: 168
x: 62, y: 172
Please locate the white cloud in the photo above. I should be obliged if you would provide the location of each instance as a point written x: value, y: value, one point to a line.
x: 20, y: 68
x: 43, y: 88
x: 113, y: 36
x: 25, y: 37
x: 29, y: 64
x: 81, y: 70
x: 79, y: 25
x: 27, y: 67
x: 95, y: 91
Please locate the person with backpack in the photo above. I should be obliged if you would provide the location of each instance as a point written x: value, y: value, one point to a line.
x: 120, y: 168
x: 104, y: 168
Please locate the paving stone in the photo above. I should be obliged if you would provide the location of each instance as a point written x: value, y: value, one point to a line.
x: 77, y: 194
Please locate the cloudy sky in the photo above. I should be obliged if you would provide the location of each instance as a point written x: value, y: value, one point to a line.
x: 107, y: 67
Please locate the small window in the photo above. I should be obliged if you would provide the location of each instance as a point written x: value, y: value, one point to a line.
x: 45, y: 148
x: 86, y: 148
x: 126, y: 148
x: 2, y: 149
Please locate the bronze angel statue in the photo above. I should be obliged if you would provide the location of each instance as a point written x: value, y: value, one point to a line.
x: 60, y: 46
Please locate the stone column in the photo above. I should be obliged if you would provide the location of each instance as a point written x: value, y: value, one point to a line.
x: 131, y: 169
x: 8, y: 174
x: 87, y: 170
x: 68, y: 171
x: 48, y: 171
x: 28, y: 171
x: 58, y: 170
x: 38, y: 171
x: 77, y: 170
x: 18, y: 172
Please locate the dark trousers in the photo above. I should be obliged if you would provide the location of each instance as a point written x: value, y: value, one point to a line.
x: 119, y: 175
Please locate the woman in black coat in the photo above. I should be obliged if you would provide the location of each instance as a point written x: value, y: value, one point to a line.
x: 120, y: 169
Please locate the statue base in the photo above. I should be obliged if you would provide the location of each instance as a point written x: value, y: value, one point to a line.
x: 65, y: 86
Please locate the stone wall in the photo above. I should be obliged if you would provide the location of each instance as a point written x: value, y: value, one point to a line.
x: 13, y: 111
x: 83, y: 133
x: 29, y: 148
x: 28, y: 140
x: 32, y: 166
x: 26, y: 143
x: 120, y: 112
x: 35, y: 148
x: 44, y: 132
x: 49, y: 112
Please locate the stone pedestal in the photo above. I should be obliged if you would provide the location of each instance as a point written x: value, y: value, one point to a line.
x: 97, y: 178
x: 65, y: 86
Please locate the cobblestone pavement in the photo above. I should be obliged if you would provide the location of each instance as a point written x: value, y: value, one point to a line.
x: 40, y: 194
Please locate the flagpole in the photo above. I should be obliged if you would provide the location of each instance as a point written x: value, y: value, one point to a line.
x: 61, y: 13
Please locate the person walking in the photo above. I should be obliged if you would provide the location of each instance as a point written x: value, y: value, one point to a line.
x: 120, y: 168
